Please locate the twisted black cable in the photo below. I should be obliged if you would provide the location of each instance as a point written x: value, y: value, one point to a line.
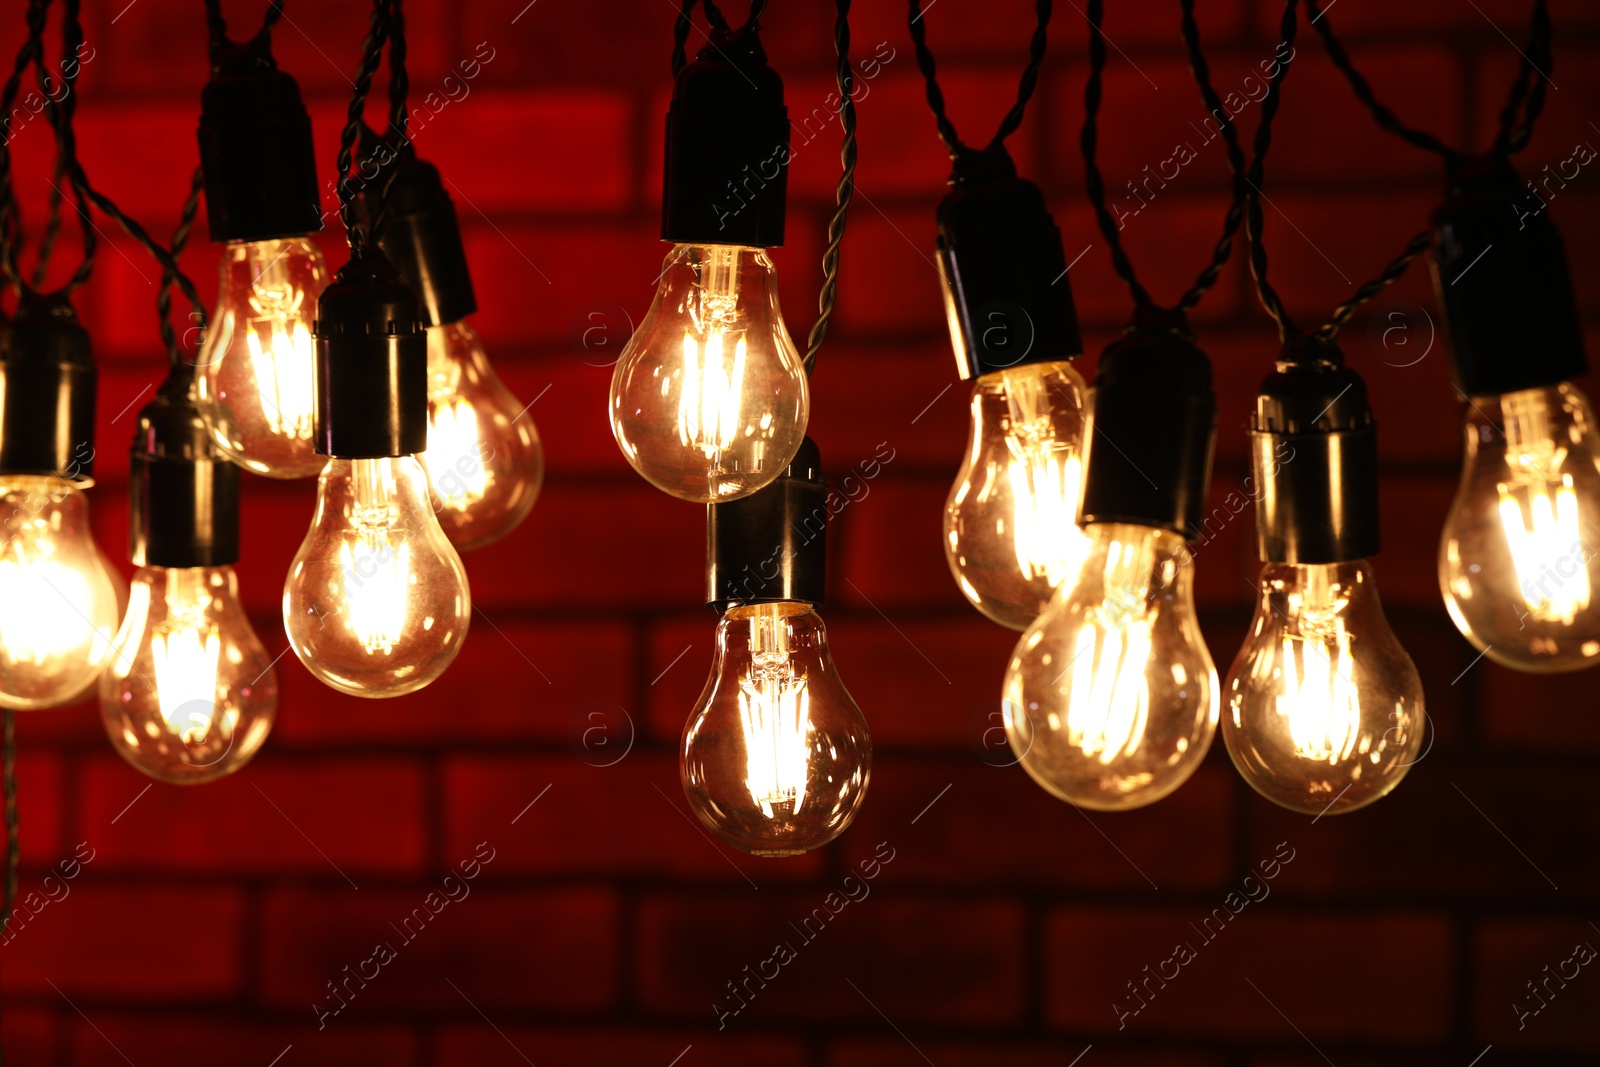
x: 1027, y: 83
x: 60, y: 115
x: 1513, y: 137
x: 1094, y: 185
x: 10, y: 213
x: 1236, y: 164
x: 371, y: 55
x: 680, y: 36
x: 217, y: 28
x: 180, y: 237
x: 399, y: 114
x: 1391, y: 274
x: 1254, y: 218
x: 844, y: 193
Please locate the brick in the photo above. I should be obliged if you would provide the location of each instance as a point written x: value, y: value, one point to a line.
x: 328, y: 819
x: 550, y: 950
x: 72, y: 723
x: 572, y: 665
x: 889, y: 282
x: 1450, y: 831
x: 39, y: 793
x: 887, y: 565
x: 977, y: 825
x: 1093, y: 954
x: 892, y: 1052
x: 622, y: 818
x: 119, y: 310
x: 484, y: 1047
x: 910, y: 406
x: 107, y: 1040
x: 322, y: 49
x: 586, y: 129
x: 88, y: 947
x: 142, y: 156
x: 692, y: 947
x: 1545, y: 713
x: 1533, y: 989
x: 1412, y: 512
x: 29, y: 1035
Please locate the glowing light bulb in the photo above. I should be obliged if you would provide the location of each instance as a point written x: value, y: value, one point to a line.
x: 192, y: 693
x: 1325, y: 710
x: 1110, y: 699
x: 376, y: 603
x: 776, y: 759
x: 1518, y: 560
x: 484, y: 460
x: 59, y: 597
x: 1010, y: 523
x: 709, y: 399
x: 259, y: 361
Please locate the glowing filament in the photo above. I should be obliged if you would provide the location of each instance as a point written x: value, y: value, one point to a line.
x: 454, y: 457
x: 1108, y: 703
x: 1319, y: 697
x: 1045, y: 485
x: 377, y: 569
x: 1546, y: 549
x: 709, y: 400
x: 284, y: 368
x: 775, y: 711
x: 44, y: 607
x: 185, y: 657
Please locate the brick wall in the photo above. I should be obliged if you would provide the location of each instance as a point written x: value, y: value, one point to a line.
x: 219, y: 924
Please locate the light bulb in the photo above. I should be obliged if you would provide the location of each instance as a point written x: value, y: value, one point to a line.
x: 1518, y: 560
x: 777, y: 756
x: 59, y: 597
x: 484, y: 460
x: 376, y: 602
x: 1110, y: 699
x: 1010, y: 523
x: 191, y: 693
x: 1325, y: 711
x: 709, y: 399
x: 257, y: 389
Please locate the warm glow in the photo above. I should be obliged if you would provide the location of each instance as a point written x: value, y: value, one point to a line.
x: 775, y: 710
x: 44, y: 607
x: 185, y: 653
x: 1108, y: 703
x: 1542, y: 535
x: 375, y: 561
x: 455, y: 446
x: 284, y: 362
x: 1319, y: 698
x: 709, y: 400
x: 1046, y: 478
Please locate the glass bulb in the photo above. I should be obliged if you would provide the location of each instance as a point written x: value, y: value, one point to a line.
x: 484, y: 460
x: 777, y: 756
x: 1010, y: 523
x: 191, y: 693
x: 59, y: 597
x: 1518, y: 561
x: 1110, y: 700
x: 1324, y: 707
x: 709, y: 399
x: 376, y: 602
x: 259, y: 360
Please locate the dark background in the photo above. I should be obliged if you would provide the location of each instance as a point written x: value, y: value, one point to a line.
x: 607, y: 924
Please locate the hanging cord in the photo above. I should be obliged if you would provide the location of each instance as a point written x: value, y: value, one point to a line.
x: 1094, y: 185
x: 61, y: 115
x: 378, y: 33
x: 844, y: 77
x: 217, y: 30
x: 719, y: 27
x: 1525, y: 99
x: 10, y: 212
x: 176, y: 364
x: 1288, y: 332
x: 1254, y: 219
x: 960, y: 153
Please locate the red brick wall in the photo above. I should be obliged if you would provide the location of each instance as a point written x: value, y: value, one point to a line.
x: 606, y: 925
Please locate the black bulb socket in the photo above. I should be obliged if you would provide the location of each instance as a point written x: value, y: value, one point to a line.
x: 771, y: 545
x: 1152, y: 427
x: 372, y: 364
x: 47, y: 393
x: 1003, y: 271
x: 422, y: 238
x: 183, y: 494
x: 256, y: 151
x: 1314, y: 450
x: 727, y: 149
x: 1500, y: 274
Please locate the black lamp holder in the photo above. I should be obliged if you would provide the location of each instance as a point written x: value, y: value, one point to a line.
x: 183, y: 494
x: 47, y: 393
x: 772, y: 544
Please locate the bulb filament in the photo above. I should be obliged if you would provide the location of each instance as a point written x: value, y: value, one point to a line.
x: 280, y: 351
x: 1108, y: 706
x: 1045, y: 477
x: 775, y: 710
x: 375, y: 560
x: 42, y: 600
x: 456, y: 468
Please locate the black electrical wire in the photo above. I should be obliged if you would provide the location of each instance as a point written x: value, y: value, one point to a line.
x: 961, y: 154
x: 1526, y: 98
x: 60, y: 115
x: 180, y: 237
x: 378, y: 33
x: 844, y: 77
x: 1288, y: 332
x: 217, y: 30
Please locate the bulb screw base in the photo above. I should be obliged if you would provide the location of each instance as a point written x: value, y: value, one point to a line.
x: 727, y: 149
x: 256, y: 152
x: 47, y: 393
x: 1003, y: 272
x: 183, y: 495
x: 1500, y: 274
x: 372, y: 364
x: 772, y: 544
x: 1148, y: 446
x: 1314, y: 450
x: 422, y: 238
